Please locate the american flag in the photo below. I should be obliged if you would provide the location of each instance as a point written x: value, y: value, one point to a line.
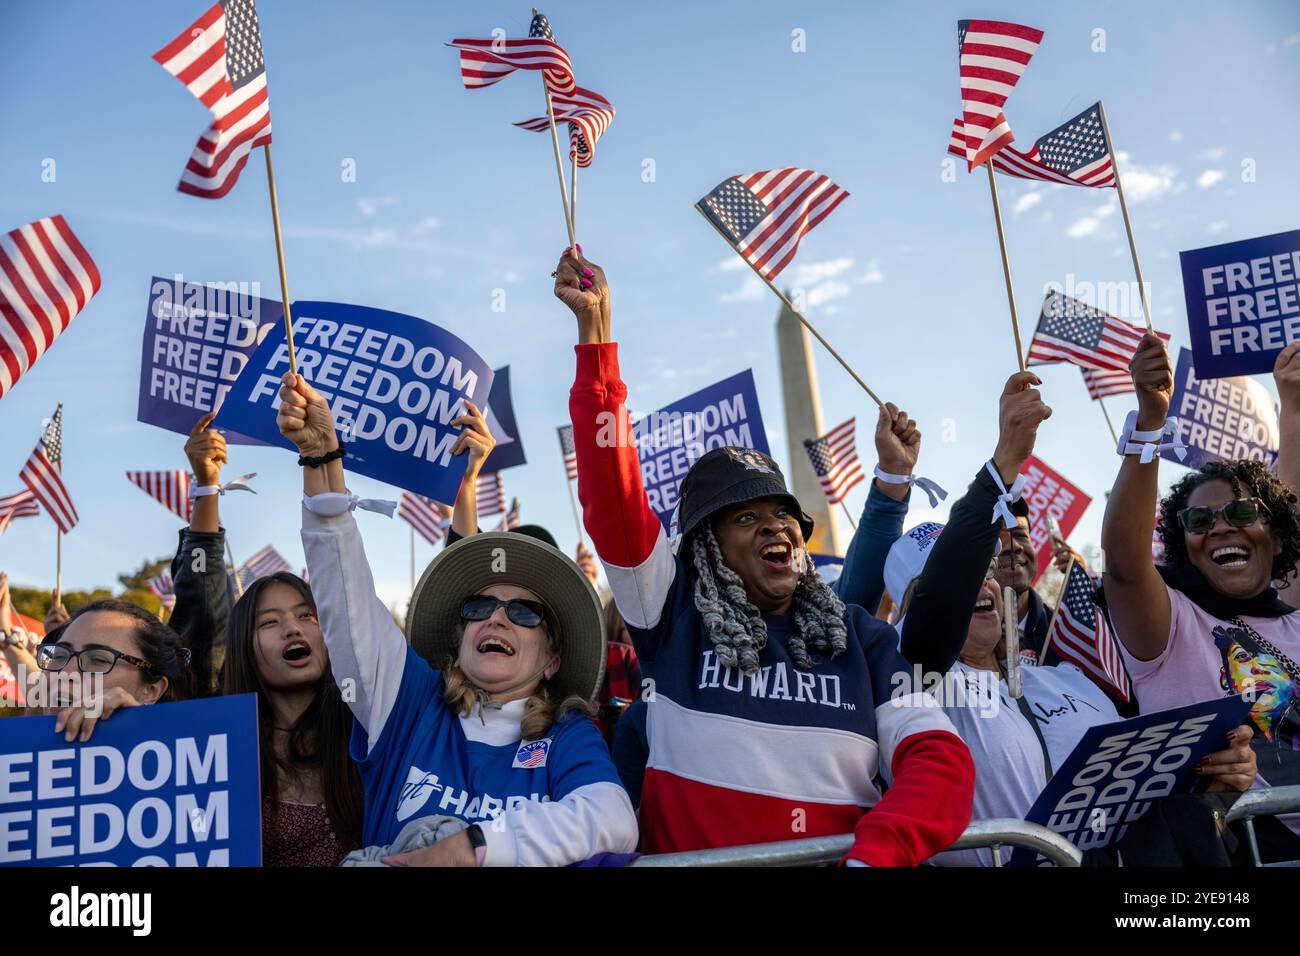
x: 219, y: 59
x: 1072, y: 331
x: 491, y: 495
x: 511, y: 519
x: 764, y: 215
x: 834, y: 457
x: 46, y: 278
x: 588, y: 115
x: 484, y: 62
x: 569, y: 451
x: 1101, y: 382
x: 992, y: 55
x: 43, y: 474
x: 21, y: 504
x: 266, y: 562
x: 164, y: 590
x: 1098, y: 173
x: 1083, y: 637
x: 531, y: 754
x: 425, y: 515
x: 171, y: 489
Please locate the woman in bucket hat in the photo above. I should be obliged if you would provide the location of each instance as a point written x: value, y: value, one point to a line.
x: 776, y: 710
x: 483, y: 717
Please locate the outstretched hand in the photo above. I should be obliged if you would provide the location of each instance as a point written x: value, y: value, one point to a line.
x: 1153, y: 380
x: 580, y: 284
x: 475, y: 438
x: 305, y: 418
x: 206, y: 450
x: 1021, y: 410
x: 898, y: 441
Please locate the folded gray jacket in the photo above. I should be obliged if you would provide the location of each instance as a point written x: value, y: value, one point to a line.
x: 419, y: 833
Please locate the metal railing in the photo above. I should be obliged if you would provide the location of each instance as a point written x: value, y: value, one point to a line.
x: 821, y: 851
x: 1264, y: 803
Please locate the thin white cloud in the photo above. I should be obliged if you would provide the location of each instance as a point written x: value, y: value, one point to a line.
x: 809, y: 273
x: 732, y: 263
x: 750, y: 291
x: 1144, y: 183
x: 369, y: 205
x: 872, y: 275
x: 1089, y: 224
x: 1209, y: 178
x: 1216, y: 152
x: 1027, y: 202
x: 826, y: 292
x: 1217, y: 226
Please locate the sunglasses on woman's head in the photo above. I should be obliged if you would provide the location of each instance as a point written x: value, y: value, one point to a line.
x: 1238, y: 513
x: 525, y: 613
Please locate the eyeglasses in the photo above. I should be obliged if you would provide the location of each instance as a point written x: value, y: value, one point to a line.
x: 1238, y: 513
x: 92, y: 660
x: 480, y: 607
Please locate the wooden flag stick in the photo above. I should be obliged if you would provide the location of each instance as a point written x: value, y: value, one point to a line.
x: 58, y: 561
x: 1051, y: 625
x: 799, y: 315
x: 1006, y: 264
x: 1128, y: 226
x: 573, y: 191
x: 1113, y: 437
x: 559, y: 168
x: 279, y: 253
x: 577, y: 517
x: 853, y: 524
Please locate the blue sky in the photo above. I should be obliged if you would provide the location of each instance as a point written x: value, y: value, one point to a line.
x: 451, y: 203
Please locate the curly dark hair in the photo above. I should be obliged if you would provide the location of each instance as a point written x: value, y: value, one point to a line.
x: 1267, y: 487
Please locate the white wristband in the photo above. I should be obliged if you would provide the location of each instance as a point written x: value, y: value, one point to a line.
x: 331, y: 504
x: 1002, y: 507
x: 1148, y: 444
x: 235, y: 484
x: 932, y: 490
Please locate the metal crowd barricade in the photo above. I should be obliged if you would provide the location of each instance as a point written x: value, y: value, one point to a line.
x: 821, y: 851
x: 1266, y: 802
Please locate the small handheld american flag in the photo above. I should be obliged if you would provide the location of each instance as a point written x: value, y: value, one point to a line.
x: 43, y: 474
x: 171, y: 489
x: 491, y: 494
x: 588, y: 114
x: 992, y: 55
x: 46, y: 278
x: 219, y: 59
x: 1074, y: 154
x: 163, y: 588
x: 21, y: 504
x: 1083, y: 637
x: 266, y: 562
x: 484, y: 62
x: 1073, y: 331
x: 425, y: 516
x: 569, y: 451
x: 834, y: 457
x: 764, y: 215
x: 1101, y: 382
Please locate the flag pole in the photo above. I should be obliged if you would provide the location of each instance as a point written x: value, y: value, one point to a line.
x: 1128, y: 226
x: 279, y: 253
x: 58, y: 560
x: 1006, y: 263
x: 1113, y: 437
x: 1051, y: 625
x: 573, y: 191
x: 853, y: 524
x: 799, y: 315
x: 577, y: 517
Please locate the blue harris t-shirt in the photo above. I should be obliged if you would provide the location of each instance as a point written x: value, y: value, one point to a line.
x: 423, y: 764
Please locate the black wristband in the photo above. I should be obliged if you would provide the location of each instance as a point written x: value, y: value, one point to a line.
x: 310, y: 462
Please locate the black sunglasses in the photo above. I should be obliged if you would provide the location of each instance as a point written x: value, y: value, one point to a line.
x: 1239, y: 513
x: 480, y: 607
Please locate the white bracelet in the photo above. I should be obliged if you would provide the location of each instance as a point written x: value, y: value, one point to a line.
x: 1002, y: 507
x: 235, y: 484
x: 1148, y: 444
x: 331, y: 504
x: 932, y: 489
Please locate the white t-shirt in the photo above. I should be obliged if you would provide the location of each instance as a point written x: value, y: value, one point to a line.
x: 1009, y: 768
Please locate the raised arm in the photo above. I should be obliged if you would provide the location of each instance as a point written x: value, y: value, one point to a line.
x: 476, y: 441
x: 628, y: 536
x: 1135, y: 593
x: 367, y: 651
x: 199, y: 567
x: 938, y: 617
x: 898, y: 445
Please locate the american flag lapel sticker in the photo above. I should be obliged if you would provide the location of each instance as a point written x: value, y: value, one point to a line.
x: 532, y: 754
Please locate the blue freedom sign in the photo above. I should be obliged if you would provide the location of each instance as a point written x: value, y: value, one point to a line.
x: 1222, y: 418
x: 1117, y: 770
x: 671, y: 439
x: 394, y: 383
x: 500, y: 414
x: 1243, y: 303
x: 197, y: 339
x: 165, y: 785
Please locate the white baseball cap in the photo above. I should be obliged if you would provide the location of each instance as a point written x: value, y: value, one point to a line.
x: 907, y: 557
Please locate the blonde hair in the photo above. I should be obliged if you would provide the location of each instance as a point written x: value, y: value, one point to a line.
x: 541, y: 711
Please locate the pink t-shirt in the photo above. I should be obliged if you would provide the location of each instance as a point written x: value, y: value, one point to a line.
x: 1195, y: 666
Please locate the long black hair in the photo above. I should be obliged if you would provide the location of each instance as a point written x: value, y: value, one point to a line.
x: 318, y: 740
x: 1259, y: 481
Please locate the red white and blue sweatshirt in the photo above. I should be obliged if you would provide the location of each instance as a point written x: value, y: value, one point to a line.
x: 784, y: 753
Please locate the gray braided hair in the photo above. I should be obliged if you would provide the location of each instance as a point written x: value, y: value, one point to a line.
x: 736, y: 627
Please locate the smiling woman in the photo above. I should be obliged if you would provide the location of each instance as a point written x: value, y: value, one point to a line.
x: 1208, y: 622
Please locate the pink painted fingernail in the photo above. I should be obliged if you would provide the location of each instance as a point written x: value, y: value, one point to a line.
x: 587, y: 272
x: 587, y: 283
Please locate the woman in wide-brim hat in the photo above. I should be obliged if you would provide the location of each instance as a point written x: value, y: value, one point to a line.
x: 484, y: 715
